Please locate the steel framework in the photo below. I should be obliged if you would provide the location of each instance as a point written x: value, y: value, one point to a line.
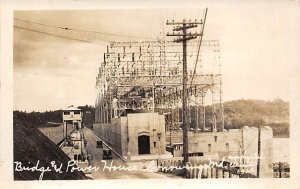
x: 147, y: 75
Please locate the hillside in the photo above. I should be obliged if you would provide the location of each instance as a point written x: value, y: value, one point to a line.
x: 30, y: 145
x: 276, y: 111
x: 258, y: 112
x: 239, y: 113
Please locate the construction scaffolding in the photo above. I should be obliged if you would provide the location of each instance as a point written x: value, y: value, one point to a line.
x: 147, y: 75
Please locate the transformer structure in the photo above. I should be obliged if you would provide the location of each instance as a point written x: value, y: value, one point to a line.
x: 147, y: 75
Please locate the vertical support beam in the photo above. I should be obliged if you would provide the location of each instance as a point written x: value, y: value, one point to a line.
x: 153, y: 95
x: 100, y: 112
x: 203, y: 106
x: 214, y: 124
x: 221, y: 107
x: 177, y: 115
x: 103, y: 112
x: 172, y: 116
x: 64, y: 130
x: 106, y: 112
x: 189, y: 115
x: 197, y: 112
x: 110, y: 105
x: 96, y: 113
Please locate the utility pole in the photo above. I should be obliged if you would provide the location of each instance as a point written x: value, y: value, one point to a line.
x: 280, y: 169
x: 259, y: 144
x: 183, y: 37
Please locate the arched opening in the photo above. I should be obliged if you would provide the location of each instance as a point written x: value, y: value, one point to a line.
x: 144, y: 144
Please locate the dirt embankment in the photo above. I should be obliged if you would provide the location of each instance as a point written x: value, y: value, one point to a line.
x: 34, y: 151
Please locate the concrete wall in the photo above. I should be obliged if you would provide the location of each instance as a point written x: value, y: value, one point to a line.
x: 223, y: 143
x: 122, y: 134
x: 250, y: 144
x: 266, y: 152
x: 146, y: 124
x: 112, y: 134
x: 232, y: 144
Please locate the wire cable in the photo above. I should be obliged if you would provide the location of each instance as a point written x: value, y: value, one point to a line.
x: 200, y: 42
x: 80, y: 30
x: 70, y: 38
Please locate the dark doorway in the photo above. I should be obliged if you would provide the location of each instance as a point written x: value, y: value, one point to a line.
x: 144, y: 144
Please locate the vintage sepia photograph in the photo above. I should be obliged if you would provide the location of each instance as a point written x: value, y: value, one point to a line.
x: 187, y: 93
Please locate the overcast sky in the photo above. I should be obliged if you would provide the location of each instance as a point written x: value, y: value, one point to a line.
x: 259, y: 50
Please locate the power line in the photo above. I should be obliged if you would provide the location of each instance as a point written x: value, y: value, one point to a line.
x: 38, y: 23
x: 70, y: 38
x: 80, y: 30
x: 199, y: 46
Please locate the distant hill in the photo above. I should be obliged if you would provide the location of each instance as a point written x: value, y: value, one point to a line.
x: 274, y: 113
x: 30, y: 145
x: 53, y: 118
x: 239, y: 113
x: 40, y: 119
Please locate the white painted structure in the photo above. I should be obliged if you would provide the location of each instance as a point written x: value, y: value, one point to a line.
x: 73, y: 116
x: 135, y: 136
